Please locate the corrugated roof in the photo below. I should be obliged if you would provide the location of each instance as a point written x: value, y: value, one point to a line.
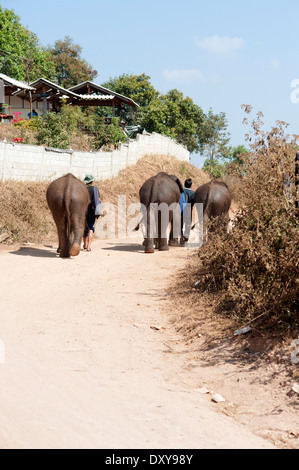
x: 16, y: 83
x: 44, y: 81
x: 97, y: 97
x: 105, y: 91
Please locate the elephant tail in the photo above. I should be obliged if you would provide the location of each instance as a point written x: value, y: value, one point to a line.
x: 178, y: 182
x: 67, y: 202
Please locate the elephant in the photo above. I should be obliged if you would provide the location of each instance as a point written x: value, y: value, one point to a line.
x: 68, y: 199
x: 163, y: 190
x: 216, y: 199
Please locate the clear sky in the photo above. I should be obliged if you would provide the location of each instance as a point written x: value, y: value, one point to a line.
x: 221, y: 53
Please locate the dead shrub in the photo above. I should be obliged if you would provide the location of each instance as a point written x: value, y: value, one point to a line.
x: 254, y: 269
x: 24, y: 213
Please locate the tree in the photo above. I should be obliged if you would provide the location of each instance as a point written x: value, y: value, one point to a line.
x: 106, y: 135
x: 136, y: 87
x: 17, y: 43
x: 215, y: 143
x: 237, y: 155
x: 178, y: 117
x: 53, y: 131
x: 233, y: 161
x: 70, y: 68
x: 170, y: 114
x: 236, y: 160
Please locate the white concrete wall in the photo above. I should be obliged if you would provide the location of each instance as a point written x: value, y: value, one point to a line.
x: 34, y: 163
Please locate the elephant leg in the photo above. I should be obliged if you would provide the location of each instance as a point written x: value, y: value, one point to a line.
x: 175, y: 229
x: 61, y: 225
x: 148, y: 241
x: 162, y: 238
x: 155, y: 243
x: 64, y: 245
x: 77, y: 228
x: 149, y: 247
x: 186, y: 222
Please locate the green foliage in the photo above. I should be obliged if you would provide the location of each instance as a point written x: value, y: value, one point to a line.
x: 106, y: 135
x: 232, y: 162
x: 70, y: 68
x: 170, y: 114
x: 216, y: 138
x: 53, y: 131
x: 221, y: 159
x: 177, y: 117
x: 75, y: 118
x: 214, y: 168
x: 101, y: 134
x: 237, y: 155
x: 136, y: 87
x: 17, y: 42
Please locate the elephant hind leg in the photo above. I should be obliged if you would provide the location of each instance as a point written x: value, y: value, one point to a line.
x: 148, y: 241
x: 148, y: 246
x: 77, y: 225
x: 75, y: 249
x: 162, y: 233
x: 163, y: 247
x: 63, y: 247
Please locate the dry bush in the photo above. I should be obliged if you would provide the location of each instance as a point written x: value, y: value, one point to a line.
x: 24, y: 214
x: 9, y: 133
x: 254, y: 269
x: 79, y: 140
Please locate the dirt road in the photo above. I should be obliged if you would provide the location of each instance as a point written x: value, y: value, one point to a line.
x: 85, y: 362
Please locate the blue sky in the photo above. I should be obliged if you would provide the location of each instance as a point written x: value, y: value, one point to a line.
x: 220, y: 53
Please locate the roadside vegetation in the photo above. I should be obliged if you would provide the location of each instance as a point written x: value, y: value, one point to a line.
x: 252, y: 273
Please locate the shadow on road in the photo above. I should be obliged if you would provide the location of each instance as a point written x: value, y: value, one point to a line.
x: 36, y: 252
x: 125, y: 247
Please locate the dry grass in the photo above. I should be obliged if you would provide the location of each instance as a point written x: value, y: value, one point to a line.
x: 11, y: 132
x: 24, y: 214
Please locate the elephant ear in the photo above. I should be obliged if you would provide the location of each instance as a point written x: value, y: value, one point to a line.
x: 178, y: 182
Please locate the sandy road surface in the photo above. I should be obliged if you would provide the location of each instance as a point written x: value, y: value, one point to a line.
x: 82, y: 366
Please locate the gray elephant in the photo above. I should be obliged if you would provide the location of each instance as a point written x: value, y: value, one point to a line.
x: 166, y: 190
x: 216, y: 199
x: 68, y: 199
